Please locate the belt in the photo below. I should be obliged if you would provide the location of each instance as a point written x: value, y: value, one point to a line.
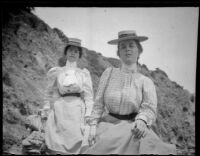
x: 124, y: 117
x: 71, y: 94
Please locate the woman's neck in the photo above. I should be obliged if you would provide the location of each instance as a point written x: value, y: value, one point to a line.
x: 71, y: 64
x: 129, y: 67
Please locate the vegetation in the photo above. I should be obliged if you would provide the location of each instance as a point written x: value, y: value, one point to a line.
x: 61, y: 35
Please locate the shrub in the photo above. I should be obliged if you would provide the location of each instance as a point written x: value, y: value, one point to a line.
x: 61, y: 35
x: 9, y: 11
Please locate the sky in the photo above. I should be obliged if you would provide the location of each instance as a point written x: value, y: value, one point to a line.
x: 172, y: 33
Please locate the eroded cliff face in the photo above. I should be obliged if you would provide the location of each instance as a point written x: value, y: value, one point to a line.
x: 30, y: 47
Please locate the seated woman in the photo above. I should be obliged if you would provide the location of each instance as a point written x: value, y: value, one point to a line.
x: 125, y: 106
x: 69, y: 102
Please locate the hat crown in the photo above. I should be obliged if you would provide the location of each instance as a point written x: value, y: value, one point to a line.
x: 127, y: 33
x: 75, y: 41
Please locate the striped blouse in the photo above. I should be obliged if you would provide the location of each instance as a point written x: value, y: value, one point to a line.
x: 122, y: 91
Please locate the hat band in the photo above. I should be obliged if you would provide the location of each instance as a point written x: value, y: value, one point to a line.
x: 127, y: 35
x: 76, y: 43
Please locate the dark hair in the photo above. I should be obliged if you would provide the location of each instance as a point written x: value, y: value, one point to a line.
x: 79, y: 48
x: 63, y: 59
x: 139, y: 46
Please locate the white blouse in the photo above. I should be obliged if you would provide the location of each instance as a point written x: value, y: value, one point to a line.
x: 69, y: 79
x: 123, y: 92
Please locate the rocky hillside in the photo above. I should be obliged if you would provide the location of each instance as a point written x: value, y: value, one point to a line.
x: 30, y: 47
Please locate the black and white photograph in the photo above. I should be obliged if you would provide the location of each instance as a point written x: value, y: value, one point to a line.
x: 99, y: 80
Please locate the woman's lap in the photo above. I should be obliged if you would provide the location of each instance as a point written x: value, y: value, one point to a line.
x: 63, y: 129
x: 118, y: 139
x: 114, y: 139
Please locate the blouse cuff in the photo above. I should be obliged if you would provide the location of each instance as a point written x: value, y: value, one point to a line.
x: 142, y: 117
x: 93, y: 122
x: 46, y: 107
x: 88, y: 112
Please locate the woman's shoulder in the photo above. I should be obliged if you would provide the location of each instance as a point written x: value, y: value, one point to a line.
x: 145, y: 79
x: 53, y: 70
x: 108, y: 70
x: 84, y: 71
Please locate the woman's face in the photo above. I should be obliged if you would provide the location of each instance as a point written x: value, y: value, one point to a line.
x: 128, y: 51
x: 72, y: 54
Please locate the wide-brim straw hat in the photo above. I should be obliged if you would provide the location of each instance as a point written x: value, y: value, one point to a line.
x: 127, y: 35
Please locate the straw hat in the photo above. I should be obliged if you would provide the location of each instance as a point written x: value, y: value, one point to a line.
x: 71, y: 42
x: 74, y: 42
x: 126, y: 35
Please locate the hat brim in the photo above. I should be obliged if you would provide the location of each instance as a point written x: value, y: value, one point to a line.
x: 76, y: 45
x: 138, y: 38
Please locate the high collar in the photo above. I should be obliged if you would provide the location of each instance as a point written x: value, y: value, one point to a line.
x: 71, y: 64
x: 128, y: 68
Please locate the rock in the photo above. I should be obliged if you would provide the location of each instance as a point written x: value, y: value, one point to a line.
x: 34, y: 122
x: 34, y: 143
x: 26, y: 142
x: 16, y: 150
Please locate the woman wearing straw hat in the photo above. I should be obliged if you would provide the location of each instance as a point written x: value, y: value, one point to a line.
x: 125, y: 106
x: 68, y: 103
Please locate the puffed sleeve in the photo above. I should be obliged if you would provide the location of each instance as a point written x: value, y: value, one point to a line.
x: 88, y: 92
x: 148, y: 107
x: 49, y: 91
x: 99, y: 105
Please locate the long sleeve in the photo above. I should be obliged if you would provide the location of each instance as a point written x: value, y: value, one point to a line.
x: 99, y: 105
x: 148, y: 107
x: 49, y: 91
x: 88, y: 92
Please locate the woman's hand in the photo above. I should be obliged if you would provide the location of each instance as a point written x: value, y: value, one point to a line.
x: 84, y: 124
x: 43, y: 113
x: 87, y: 119
x: 139, y: 129
x: 92, y: 135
